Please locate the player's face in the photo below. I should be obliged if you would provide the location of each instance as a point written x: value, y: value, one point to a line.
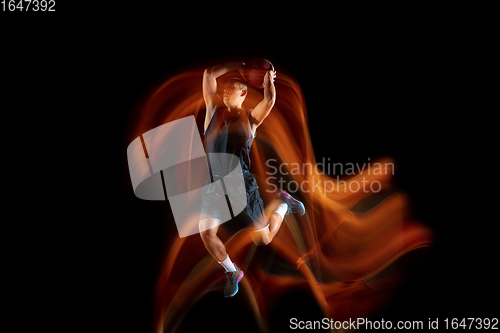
x: 232, y: 93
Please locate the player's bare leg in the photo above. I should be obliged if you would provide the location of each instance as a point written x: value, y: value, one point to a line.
x: 211, y: 241
x: 217, y: 249
x: 275, y: 211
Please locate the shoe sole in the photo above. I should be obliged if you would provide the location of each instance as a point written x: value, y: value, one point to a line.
x: 303, y: 208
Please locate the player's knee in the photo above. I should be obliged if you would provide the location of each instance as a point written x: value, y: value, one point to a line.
x: 261, y: 240
x: 207, y: 228
x: 265, y: 241
x: 207, y: 235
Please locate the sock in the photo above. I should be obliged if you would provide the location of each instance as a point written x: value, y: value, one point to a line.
x: 282, y: 209
x: 227, y: 264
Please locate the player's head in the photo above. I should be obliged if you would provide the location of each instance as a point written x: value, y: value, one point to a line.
x: 234, y: 93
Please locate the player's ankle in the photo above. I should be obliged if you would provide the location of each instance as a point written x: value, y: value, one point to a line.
x: 228, y: 264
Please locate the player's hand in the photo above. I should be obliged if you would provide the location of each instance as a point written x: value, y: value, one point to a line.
x: 269, y: 77
x: 241, y: 69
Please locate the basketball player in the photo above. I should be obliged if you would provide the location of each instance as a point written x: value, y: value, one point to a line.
x: 231, y: 129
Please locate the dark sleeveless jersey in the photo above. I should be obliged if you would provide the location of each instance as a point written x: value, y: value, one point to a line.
x: 230, y: 133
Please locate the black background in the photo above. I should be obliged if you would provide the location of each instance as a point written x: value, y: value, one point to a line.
x: 402, y: 94
x: 407, y: 87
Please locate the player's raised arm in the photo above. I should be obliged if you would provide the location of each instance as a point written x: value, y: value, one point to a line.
x: 262, y: 110
x: 210, y: 76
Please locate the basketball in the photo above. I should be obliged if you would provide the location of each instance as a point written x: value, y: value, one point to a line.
x: 255, y: 70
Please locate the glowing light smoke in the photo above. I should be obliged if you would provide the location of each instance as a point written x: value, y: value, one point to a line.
x: 331, y: 244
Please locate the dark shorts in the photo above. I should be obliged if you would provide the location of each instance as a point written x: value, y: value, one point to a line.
x: 252, y: 214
